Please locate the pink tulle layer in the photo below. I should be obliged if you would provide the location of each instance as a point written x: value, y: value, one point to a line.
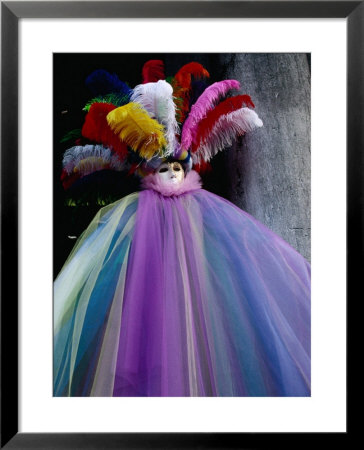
x: 191, y: 182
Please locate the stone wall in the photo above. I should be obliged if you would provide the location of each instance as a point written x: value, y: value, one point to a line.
x: 269, y: 170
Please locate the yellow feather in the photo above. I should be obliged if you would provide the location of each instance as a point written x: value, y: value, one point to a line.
x: 133, y: 125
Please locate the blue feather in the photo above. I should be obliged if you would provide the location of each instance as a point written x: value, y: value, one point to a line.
x: 101, y: 82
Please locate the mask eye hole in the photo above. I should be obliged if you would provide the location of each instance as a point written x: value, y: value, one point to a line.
x: 163, y: 169
x: 176, y: 168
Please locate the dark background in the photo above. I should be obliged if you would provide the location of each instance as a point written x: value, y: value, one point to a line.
x: 266, y: 173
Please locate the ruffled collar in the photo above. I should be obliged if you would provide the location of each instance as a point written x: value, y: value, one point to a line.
x: 191, y: 182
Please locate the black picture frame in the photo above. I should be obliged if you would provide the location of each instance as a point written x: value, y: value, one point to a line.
x: 11, y: 12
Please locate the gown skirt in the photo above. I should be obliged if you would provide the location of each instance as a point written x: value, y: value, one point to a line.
x: 184, y: 295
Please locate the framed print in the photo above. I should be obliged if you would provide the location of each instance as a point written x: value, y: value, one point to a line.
x: 40, y: 75
x: 186, y: 291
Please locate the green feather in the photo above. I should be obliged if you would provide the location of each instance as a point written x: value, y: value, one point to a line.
x: 71, y: 135
x: 170, y: 80
x: 114, y: 99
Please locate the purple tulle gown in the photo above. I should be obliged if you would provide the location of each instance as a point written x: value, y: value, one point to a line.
x: 181, y: 293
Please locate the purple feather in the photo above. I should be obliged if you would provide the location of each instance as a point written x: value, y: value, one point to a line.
x: 207, y: 100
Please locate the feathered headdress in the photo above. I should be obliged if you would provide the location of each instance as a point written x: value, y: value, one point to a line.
x: 135, y: 130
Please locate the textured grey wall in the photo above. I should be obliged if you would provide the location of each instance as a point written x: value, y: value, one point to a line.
x: 269, y: 169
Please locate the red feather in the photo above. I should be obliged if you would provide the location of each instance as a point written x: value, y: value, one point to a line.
x: 68, y: 180
x: 202, y: 167
x: 227, y: 106
x: 182, y: 86
x: 153, y: 70
x: 97, y: 129
x: 133, y: 169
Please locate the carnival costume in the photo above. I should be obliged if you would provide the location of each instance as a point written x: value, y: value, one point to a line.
x: 173, y: 290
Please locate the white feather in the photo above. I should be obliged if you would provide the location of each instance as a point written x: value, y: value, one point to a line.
x: 74, y: 155
x: 157, y: 99
x: 226, y: 130
x: 117, y: 164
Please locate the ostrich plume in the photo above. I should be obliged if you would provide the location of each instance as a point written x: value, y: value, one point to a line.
x: 205, y: 102
x: 225, y: 131
x: 157, y: 100
x: 133, y: 126
x: 153, y: 70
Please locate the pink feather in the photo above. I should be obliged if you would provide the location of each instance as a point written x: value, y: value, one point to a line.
x: 204, y: 103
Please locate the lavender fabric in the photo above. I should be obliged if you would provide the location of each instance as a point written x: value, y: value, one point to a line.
x: 214, y: 304
x: 190, y: 296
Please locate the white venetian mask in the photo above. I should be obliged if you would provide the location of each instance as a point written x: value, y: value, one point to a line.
x: 170, y: 173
